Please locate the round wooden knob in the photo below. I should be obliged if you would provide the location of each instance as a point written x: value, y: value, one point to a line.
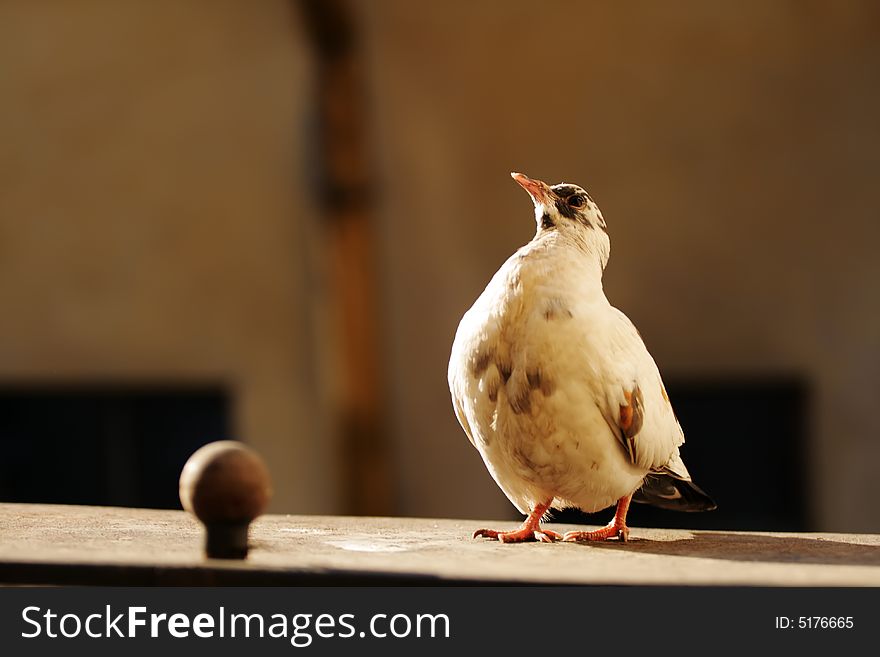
x: 226, y: 485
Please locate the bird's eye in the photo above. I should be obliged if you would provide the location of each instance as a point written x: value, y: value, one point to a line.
x: 576, y: 201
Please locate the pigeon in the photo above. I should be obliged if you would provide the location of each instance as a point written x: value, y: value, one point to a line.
x: 555, y: 388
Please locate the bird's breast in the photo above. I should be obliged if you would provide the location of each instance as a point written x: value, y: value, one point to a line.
x: 520, y: 361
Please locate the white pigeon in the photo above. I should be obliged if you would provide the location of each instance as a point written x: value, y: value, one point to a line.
x: 555, y: 388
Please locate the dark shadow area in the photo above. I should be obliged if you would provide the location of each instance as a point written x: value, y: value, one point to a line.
x: 755, y: 548
x: 747, y: 446
x: 104, y: 445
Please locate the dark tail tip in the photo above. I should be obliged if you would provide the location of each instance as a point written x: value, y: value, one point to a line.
x: 668, y: 492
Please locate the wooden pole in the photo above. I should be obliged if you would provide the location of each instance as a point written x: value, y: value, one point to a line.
x: 343, y: 173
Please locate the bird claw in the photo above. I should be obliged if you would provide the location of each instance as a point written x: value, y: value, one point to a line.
x: 486, y: 533
x: 522, y: 535
x: 621, y: 532
x: 547, y: 536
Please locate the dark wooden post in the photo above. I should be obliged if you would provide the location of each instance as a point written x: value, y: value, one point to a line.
x: 343, y: 173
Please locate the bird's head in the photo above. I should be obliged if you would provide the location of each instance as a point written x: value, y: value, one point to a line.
x: 570, y: 211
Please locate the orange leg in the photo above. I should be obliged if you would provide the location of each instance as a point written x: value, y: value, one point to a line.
x: 529, y: 531
x: 616, y: 527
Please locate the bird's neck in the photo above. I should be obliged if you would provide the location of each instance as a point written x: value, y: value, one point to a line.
x: 558, y: 257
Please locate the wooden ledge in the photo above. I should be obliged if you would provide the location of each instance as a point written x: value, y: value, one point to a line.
x: 55, y: 544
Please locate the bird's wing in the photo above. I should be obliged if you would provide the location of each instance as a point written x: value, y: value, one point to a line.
x: 462, y: 419
x: 457, y: 379
x: 634, y: 402
x: 636, y: 407
x: 626, y: 420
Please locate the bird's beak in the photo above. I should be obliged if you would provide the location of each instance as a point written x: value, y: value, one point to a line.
x: 538, y: 190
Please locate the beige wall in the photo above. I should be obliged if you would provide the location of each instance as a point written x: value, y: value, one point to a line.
x: 151, y: 217
x: 154, y: 224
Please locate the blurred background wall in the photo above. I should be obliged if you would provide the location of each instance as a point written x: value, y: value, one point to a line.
x: 159, y: 224
x: 151, y: 213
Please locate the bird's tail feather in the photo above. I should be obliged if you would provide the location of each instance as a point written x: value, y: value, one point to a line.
x: 669, y: 492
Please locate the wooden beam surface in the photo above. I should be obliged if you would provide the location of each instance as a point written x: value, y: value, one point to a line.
x: 54, y: 544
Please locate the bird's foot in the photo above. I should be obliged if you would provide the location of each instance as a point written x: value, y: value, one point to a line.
x: 521, y: 535
x: 530, y: 530
x: 611, y: 530
x: 615, y: 528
